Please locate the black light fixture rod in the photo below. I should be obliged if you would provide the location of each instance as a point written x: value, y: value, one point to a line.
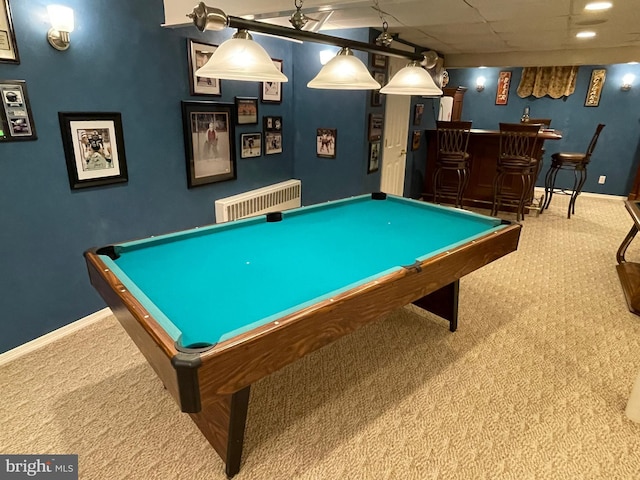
x: 261, y: 27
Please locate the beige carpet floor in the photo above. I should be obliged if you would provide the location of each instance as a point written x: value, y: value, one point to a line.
x: 533, y: 385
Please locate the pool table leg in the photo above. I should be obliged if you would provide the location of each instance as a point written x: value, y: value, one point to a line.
x: 222, y: 421
x: 444, y: 303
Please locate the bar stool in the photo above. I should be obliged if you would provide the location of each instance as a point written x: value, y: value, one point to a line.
x: 516, y: 159
x: 570, y: 161
x: 452, y: 139
x: 544, y: 123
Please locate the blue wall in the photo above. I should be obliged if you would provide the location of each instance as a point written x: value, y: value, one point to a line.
x: 121, y: 60
x: 617, y: 155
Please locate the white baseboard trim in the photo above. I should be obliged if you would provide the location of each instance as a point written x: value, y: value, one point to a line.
x: 603, y: 196
x: 40, y: 342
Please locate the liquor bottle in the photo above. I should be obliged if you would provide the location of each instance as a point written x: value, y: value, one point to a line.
x: 525, y: 115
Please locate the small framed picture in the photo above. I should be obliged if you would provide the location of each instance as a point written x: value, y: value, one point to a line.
x: 376, y: 97
x: 415, y: 139
x: 378, y: 61
x: 209, y: 141
x: 272, y: 143
x: 199, y: 54
x: 272, y: 124
x: 502, y: 92
x: 271, y: 92
x: 598, y: 76
x: 326, y: 142
x: 16, y: 120
x: 94, y: 148
x: 251, y: 145
x: 374, y: 157
x: 247, y: 110
x: 8, y: 46
x: 375, y: 126
x: 418, y: 111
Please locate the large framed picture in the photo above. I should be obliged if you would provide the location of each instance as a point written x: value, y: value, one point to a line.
x: 16, y: 120
x: 251, y: 145
x: 94, y: 148
x: 209, y: 142
x: 199, y: 54
x: 8, y: 46
x: 271, y: 92
x: 326, y: 142
x: 247, y: 110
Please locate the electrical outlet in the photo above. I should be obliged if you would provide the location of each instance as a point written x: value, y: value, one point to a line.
x: 602, y: 179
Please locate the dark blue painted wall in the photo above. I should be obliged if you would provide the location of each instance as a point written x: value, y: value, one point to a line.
x: 121, y: 60
x: 617, y: 154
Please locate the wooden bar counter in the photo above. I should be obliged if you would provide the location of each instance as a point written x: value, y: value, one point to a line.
x: 483, y: 149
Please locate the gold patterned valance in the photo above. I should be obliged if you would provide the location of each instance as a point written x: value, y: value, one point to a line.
x: 556, y: 82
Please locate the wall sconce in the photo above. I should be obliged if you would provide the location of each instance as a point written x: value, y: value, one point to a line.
x: 480, y: 81
x: 627, y: 80
x: 61, y: 19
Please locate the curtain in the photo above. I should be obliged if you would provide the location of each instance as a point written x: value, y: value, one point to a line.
x: 553, y: 81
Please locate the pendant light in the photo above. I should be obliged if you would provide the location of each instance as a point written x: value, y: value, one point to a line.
x: 241, y: 58
x: 344, y: 72
x: 412, y: 80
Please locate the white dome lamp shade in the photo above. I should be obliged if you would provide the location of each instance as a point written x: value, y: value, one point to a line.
x: 240, y: 58
x: 344, y: 72
x: 412, y: 80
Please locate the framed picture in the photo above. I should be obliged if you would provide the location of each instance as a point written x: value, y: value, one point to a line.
x: 598, y: 76
x: 16, y: 120
x: 94, y: 148
x: 251, y: 145
x: 326, y: 142
x: 271, y: 92
x: 199, y: 54
x: 209, y: 142
x: 378, y: 60
x: 375, y: 126
x: 247, y: 110
x: 8, y: 46
x: 415, y: 139
x: 272, y: 124
x: 374, y: 157
x: 376, y: 97
x: 272, y: 127
x: 502, y: 93
x: 418, y: 111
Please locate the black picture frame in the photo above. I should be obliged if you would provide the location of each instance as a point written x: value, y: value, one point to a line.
x: 272, y: 127
x: 376, y: 97
x: 16, y: 119
x: 246, y: 110
x: 250, y: 145
x: 94, y: 148
x: 378, y: 60
x: 209, y: 141
x: 8, y: 45
x: 271, y: 92
x: 199, y: 54
x: 375, y: 126
x: 374, y: 157
x: 418, y: 112
x: 326, y: 142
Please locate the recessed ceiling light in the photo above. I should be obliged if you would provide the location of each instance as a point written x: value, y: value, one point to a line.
x: 585, y: 34
x: 598, y: 6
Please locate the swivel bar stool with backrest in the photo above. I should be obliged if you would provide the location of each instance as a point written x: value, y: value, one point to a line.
x: 517, y: 159
x: 570, y: 161
x: 544, y: 123
x: 452, y: 139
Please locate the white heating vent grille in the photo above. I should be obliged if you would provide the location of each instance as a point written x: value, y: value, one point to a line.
x: 272, y: 198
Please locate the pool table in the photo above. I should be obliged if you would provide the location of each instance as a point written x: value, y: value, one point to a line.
x: 216, y: 308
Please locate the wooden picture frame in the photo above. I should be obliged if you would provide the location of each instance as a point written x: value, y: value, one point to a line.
x: 8, y: 45
x: 247, y: 110
x: 415, y: 139
x: 326, y: 142
x: 16, y: 119
x: 374, y: 157
x: 94, y: 148
x: 250, y: 145
x: 375, y: 126
x: 598, y: 76
x: 209, y: 140
x: 271, y: 92
x: 502, y: 92
x: 418, y: 112
x: 199, y: 54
